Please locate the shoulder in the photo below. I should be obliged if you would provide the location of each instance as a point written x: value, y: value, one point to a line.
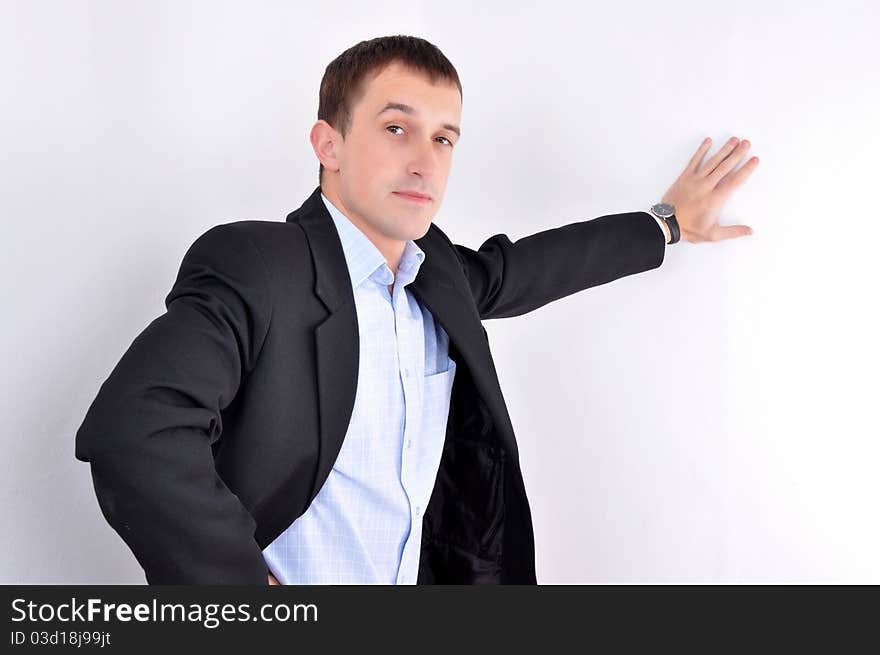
x: 276, y: 243
x: 260, y: 233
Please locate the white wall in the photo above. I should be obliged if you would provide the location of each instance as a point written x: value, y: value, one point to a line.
x: 713, y: 420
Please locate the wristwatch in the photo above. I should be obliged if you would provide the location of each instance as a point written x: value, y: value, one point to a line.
x: 666, y: 213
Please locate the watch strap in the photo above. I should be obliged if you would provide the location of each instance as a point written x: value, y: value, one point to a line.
x: 672, y: 224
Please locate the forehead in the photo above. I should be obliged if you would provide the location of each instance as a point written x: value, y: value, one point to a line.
x: 398, y: 83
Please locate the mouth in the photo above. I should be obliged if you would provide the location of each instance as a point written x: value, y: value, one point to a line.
x: 414, y: 196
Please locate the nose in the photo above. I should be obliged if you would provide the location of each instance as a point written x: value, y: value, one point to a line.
x: 423, y: 161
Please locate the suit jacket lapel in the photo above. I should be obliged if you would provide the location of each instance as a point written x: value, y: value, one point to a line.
x: 337, y: 341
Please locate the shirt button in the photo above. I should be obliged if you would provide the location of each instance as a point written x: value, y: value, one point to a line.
x: 418, y: 510
x: 406, y: 372
x: 409, y: 443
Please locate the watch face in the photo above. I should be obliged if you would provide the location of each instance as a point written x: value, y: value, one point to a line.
x: 664, y: 209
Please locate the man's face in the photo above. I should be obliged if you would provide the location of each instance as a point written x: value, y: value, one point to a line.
x: 392, y: 149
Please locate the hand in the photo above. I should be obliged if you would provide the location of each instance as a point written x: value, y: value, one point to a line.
x: 273, y: 580
x: 700, y: 192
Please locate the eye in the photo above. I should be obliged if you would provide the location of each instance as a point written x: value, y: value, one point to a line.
x: 397, y: 127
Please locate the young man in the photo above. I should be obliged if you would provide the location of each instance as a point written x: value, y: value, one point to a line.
x: 319, y: 403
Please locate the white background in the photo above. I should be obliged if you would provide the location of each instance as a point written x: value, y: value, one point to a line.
x: 713, y: 420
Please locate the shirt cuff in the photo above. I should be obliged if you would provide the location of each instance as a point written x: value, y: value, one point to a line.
x: 659, y: 225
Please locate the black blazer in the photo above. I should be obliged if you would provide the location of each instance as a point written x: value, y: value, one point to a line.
x: 223, y: 418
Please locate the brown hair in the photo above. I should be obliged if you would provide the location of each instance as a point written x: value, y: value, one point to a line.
x: 343, y: 83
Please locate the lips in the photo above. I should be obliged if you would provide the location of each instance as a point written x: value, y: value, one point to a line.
x: 414, y: 195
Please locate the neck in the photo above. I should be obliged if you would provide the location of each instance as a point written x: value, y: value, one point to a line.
x: 391, y: 249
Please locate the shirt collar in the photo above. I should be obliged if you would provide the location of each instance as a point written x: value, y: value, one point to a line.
x: 364, y: 259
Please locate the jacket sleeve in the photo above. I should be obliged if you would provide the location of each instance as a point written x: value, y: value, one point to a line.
x: 149, y: 432
x: 512, y: 278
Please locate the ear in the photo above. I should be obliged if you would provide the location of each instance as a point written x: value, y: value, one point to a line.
x: 324, y: 139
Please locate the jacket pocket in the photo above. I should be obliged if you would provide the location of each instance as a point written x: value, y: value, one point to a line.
x: 464, y: 526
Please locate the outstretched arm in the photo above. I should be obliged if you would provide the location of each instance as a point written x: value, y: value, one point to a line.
x: 511, y: 278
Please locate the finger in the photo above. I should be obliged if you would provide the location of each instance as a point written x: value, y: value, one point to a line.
x: 697, y: 159
x: 722, y: 232
x: 719, y: 156
x: 735, y: 179
x: 729, y: 162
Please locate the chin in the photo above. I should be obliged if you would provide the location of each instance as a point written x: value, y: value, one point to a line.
x: 422, y: 228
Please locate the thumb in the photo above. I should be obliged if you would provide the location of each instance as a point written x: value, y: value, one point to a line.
x: 732, y: 231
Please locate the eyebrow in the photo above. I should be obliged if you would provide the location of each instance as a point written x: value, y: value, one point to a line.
x: 406, y: 109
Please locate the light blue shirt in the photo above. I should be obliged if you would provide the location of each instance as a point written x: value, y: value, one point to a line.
x: 365, y: 524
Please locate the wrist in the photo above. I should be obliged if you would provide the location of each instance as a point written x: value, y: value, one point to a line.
x: 664, y: 213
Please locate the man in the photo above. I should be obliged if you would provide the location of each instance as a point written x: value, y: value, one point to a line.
x: 319, y: 402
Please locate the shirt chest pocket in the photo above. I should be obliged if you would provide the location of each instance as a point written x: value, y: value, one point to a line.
x: 427, y: 446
